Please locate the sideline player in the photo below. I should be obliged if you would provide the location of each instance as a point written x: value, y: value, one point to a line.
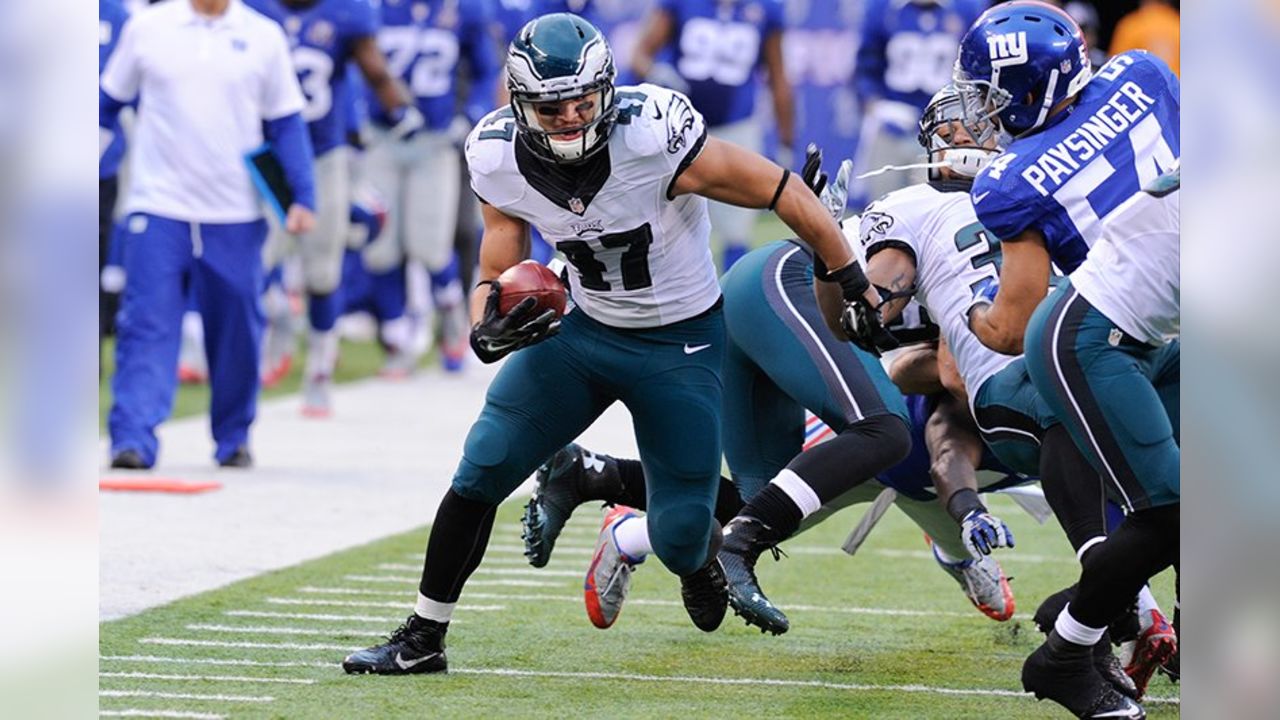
x: 420, y: 177
x: 1084, y: 145
x: 716, y: 48
x: 323, y: 36
x: 616, y: 178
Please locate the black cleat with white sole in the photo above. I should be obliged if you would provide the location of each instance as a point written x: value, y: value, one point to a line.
x: 417, y: 646
x: 1065, y: 673
x: 573, y: 476
x: 745, y: 538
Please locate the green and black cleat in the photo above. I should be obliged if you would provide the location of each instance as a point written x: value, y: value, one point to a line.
x: 571, y: 477
x: 745, y: 539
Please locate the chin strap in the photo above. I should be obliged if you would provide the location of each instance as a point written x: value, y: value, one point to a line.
x: 913, y: 166
x: 962, y: 161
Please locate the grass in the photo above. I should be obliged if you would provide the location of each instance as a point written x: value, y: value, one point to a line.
x: 843, y: 661
x: 357, y: 360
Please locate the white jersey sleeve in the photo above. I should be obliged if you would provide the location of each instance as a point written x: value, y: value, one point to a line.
x: 935, y: 223
x: 639, y: 257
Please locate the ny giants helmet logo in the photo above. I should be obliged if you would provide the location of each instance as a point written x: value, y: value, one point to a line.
x: 1007, y: 49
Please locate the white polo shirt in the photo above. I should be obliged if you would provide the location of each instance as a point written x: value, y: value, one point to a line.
x: 206, y: 86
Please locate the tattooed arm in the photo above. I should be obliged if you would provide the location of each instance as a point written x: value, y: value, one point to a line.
x: 894, y: 270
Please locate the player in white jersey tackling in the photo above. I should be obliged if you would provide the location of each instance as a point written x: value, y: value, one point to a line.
x: 616, y: 179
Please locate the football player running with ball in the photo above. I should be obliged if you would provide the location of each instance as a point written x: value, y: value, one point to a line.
x: 616, y: 178
x: 1084, y: 145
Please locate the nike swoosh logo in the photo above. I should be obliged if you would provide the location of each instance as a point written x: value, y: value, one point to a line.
x: 657, y: 114
x: 980, y: 197
x: 406, y: 664
x: 689, y: 350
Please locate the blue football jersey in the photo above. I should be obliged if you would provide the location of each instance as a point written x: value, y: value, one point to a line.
x: 1120, y: 135
x: 111, y: 19
x: 908, y: 49
x: 820, y: 46
x: 717, y: 50
x: 321, y: 38
x: 425, y: 40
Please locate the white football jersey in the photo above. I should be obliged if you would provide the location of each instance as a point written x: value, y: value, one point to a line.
x: 1131, y: 273
x: 935, y: 223
x: 640, y: 259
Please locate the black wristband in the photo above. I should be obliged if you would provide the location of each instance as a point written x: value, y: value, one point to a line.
x: 963, y: 502
x: 820, y: 268
x: 786, y: 174
x: 853, y: 281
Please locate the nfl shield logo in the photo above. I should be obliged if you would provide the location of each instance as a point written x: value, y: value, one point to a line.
x: 1114, y: 337
x: 1066, y: 66
x: 576, y: 205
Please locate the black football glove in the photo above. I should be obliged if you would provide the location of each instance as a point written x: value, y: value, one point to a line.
x: 833, y: 195
x: 861, y: 321
x: 497, y: 335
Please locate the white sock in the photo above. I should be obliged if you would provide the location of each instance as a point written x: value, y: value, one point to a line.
x: 1146, y: 603
x: 1074, y: 631
x: 432, y: 610
x: 632, y: 538
x: 799, y: 491
x: 322, y: 353
x: 946, y: 557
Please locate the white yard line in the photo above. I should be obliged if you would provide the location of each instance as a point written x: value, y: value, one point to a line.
x: 1013, y: 557
x: 214, y: 661
x: 311, y: 616
x: 560, y: 550
x: 264, y: 630
x: 217, y: 678
x: 190, y: 642
x: 402, y: 579
x: 137, y: 712
x: 186, y: 696
x: 689, y: 679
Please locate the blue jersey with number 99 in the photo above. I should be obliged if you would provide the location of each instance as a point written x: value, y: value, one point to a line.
x: 321, y: 39
x: 908, y: 49
x: 717, y: 50
x: 1121, y: 134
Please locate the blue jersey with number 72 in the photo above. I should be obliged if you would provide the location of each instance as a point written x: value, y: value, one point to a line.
x: 1064, y: 180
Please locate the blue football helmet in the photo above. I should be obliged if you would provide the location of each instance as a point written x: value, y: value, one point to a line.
x: 554, y: 58
x: 1017, y: 62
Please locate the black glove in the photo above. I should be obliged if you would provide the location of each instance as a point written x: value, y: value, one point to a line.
x: 497, y: 335
x: 812, y: 173
x: 861, y: 321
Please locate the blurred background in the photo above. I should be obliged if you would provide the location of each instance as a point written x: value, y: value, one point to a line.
x: 848, y: 75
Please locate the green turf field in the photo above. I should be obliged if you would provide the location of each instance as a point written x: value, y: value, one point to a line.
x: 884, y: 635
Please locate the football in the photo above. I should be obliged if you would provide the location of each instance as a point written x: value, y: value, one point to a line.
x: 531, y: 279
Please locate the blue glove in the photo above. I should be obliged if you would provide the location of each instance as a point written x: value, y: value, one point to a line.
x: 984, y: 293
x: 983, y: 532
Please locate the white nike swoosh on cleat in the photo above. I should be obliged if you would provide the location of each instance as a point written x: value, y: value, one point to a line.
x: 689, y: 350
x: 407, y: 664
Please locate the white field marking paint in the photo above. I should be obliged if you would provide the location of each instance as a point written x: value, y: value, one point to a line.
x: 1013, y: 557
x: 488, y: 562
x: 858, y: 687
x: 404, y: 579
x: 262, y: 630
x: 372, y: 604
x: 480, y: 571
x: 310, y: 589
x: 219, y: 678
x: 214, y: 661
x: 889, y: 612
x: 135, y: 712
x: 312, y: 616
x: 186, y: 696
x: 245, y: 645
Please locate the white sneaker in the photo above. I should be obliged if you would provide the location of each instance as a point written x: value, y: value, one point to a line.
x: 317, y: 396
x: 984, y: 583
x: 609, y: 576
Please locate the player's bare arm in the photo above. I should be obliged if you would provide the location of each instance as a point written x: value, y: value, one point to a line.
x: 657, y: 33
x: 895, y: 271
x: 779, y: 88
x: 915, y: 370
x: 390, y: 92
x: 955, y: 449
x: 504, y: 243
x: 1024, y: 279
x: 737, y: 176
x: 949, y: 373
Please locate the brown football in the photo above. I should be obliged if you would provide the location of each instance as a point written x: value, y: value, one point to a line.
x: 531, y: 279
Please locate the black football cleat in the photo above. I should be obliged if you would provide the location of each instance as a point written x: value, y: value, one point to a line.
x: 744, y: 539
x: 1065, y: 673
x: 1047, y: 614
x: 1112, y: 670
x: 240, y: 459
x: 571, y: 477
x: 417, y: 646
x: 129, y: 460
x: 704, y: 595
